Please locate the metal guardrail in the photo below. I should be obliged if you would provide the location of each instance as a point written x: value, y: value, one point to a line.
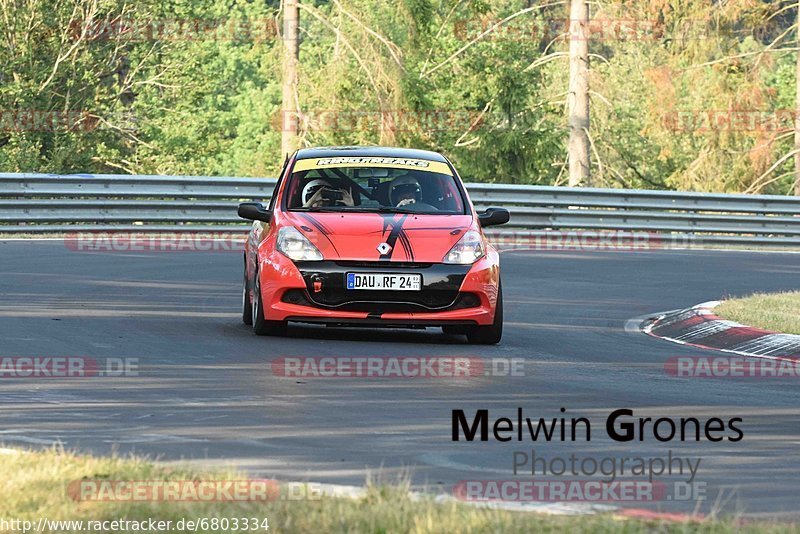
x: 42, y: 203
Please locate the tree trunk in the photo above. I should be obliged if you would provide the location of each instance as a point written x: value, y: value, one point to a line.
x: 797, y: 112
x: 291, y: 52
x: 578, y: 98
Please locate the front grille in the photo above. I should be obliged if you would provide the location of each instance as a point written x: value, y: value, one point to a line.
x: 301, y: 298
x: 325, y: 287
x: 382, y: 265
x: 414, y: 301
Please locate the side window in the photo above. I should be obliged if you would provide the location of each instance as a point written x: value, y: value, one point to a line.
x: 278, y: 185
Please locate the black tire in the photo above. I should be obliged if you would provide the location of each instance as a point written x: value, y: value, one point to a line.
x: 261, y: 326
x: 247, y: 306
x: 493, y: 333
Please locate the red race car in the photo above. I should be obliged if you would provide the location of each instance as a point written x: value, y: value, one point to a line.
x: 385, y: 237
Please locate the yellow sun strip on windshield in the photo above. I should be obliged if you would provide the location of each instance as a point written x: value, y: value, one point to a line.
x: 372, y: 161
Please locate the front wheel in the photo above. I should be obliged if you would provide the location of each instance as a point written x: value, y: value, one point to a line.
x: 493, y: 333
x: 261, y: 326
x: 247, y: 306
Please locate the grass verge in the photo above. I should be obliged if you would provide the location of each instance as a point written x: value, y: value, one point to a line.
x: 779, y: 312
x: 36, y: 485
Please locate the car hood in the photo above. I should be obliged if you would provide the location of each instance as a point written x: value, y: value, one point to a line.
x: 391, y: 237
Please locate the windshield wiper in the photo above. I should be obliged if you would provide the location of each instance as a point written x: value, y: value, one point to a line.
x: 380, y: 209
x: 330, y: 209
x: 390, y: 209
x: 351, y: 209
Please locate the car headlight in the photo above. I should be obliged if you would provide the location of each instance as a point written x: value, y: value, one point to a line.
x: 296, y: 246
x: 468, y: 250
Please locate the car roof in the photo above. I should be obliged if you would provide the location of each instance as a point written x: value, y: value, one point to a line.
x: 368, y: 151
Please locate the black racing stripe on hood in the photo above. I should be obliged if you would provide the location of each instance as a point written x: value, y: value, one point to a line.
x: 322, y: 229
x: 397, y: 229
x: 439, y: 228
x: 406, y: 243
x: 319, y: 225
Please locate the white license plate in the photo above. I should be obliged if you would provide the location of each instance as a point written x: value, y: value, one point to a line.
x: 394, y: 282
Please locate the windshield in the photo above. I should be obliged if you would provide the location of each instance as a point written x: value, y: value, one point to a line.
x: 374, y: 189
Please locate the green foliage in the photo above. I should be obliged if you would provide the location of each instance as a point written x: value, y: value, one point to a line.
x: 416, y: 73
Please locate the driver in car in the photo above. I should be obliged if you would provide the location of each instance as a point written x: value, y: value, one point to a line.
x: 320, y: 193
x: 404, y: 190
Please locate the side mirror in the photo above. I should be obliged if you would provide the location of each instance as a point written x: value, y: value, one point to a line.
x: 254, y: 211
x: 494, y: 217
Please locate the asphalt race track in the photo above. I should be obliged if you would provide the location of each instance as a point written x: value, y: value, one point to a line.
x: 206, y: 393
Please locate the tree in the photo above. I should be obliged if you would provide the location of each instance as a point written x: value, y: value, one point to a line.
x: 578, y: 99
x: 291, y: 56
x: 797, y: 111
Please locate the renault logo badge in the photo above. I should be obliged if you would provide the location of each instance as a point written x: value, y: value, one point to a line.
x: 384, y: 248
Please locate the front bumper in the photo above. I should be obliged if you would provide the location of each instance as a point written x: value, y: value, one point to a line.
x: 315, y: 292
